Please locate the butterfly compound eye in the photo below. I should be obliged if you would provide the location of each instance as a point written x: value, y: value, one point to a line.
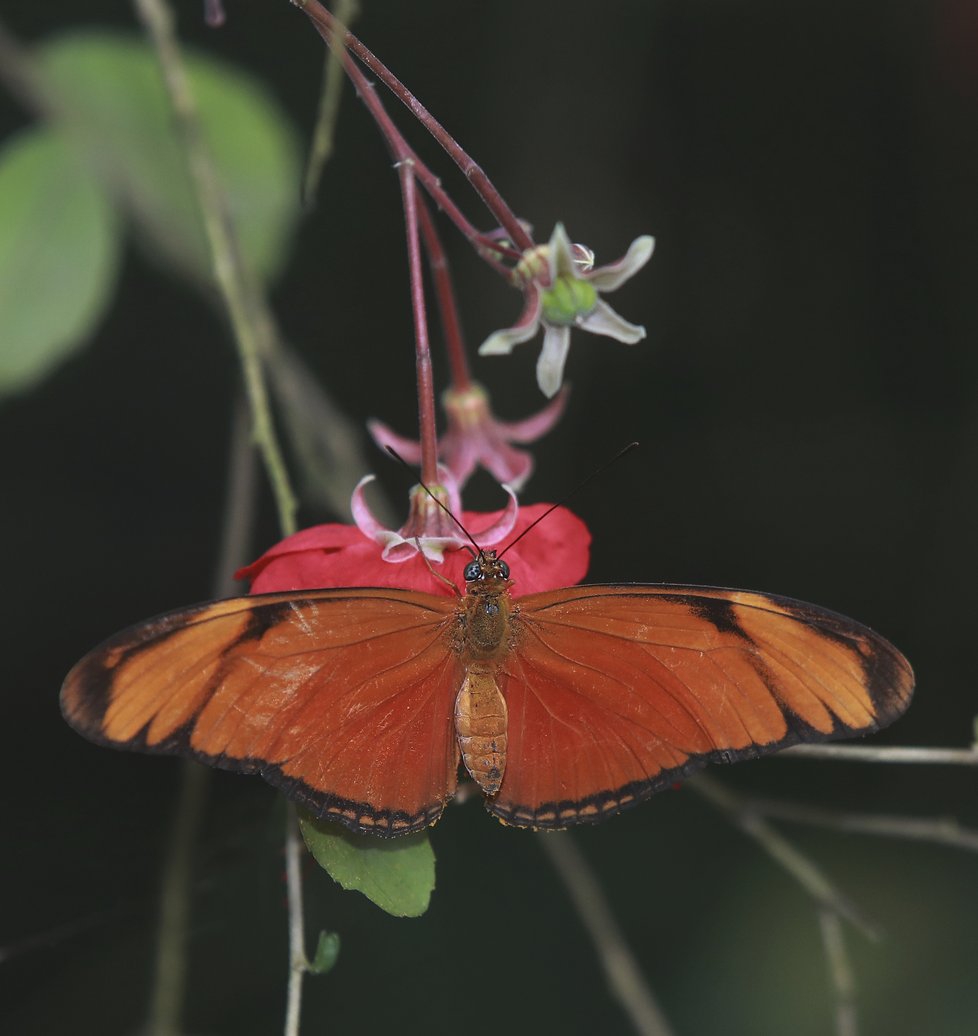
x: 473, y: 571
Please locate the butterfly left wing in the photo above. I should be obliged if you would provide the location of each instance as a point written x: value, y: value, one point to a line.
x: 614, y: 692
x: 341, y: 698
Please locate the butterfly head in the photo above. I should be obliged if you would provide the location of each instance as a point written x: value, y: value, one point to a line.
x: 486, y: 570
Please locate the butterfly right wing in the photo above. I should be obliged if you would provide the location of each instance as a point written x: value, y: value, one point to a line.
x: 343, y: 699
x: 615, y: 692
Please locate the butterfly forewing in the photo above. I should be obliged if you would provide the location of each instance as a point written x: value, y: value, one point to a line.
x: 342, y: 698
x: 614, y: 692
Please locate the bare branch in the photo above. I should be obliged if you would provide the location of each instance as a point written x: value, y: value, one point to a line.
x: 624, y: 976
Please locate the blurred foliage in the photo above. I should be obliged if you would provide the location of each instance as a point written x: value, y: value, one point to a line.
x: 58, y: 254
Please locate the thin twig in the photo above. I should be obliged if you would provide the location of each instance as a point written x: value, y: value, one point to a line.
x: 840, y: 973
x: 233, y: 278
x: 884, y: 754
x: 169, y: 979
x: 170, y: 969
x: 940, y: 830
x: 324, y: 134
x: 803, y: 870
x: 246, y: 313
x: 624, y: 976
x: 298, y: 962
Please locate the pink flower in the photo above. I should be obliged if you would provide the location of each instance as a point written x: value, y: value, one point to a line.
x: 554, y: 554
x: 562, y: 289
x: 430, y: 528
x: 474, y: 436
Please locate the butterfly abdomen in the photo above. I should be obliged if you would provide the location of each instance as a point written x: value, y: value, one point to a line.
x: 481, y: 719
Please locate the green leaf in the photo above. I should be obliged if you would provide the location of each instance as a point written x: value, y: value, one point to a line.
x: 327, y: 952
x: 59, y: 250
x: 397, y: 874
x: 109, y: 89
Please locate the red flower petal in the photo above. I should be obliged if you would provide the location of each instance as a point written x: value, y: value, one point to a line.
x: 554, y: 554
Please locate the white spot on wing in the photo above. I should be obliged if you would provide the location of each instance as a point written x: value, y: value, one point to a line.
x: 300, y: 620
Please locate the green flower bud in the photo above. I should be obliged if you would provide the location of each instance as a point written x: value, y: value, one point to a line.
x: 567, y: 299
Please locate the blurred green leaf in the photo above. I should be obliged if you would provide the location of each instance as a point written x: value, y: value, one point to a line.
x: 110, y: 93
x: 327, y: 953
x: 397, y: 874
x: 59, y: 249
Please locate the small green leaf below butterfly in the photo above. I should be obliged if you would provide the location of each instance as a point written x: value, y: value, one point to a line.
x: 398, y: 874
x: 59, y: 250
x: 326, y: 955
x: 108, y: 90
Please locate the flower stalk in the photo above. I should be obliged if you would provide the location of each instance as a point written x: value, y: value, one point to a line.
x: 426, y: 385
x: 331, y: 28
x: 448, y: 310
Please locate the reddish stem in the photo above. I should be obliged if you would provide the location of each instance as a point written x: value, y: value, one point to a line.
x: 442, y: 276
x: 328, y: 26
x: 214, y: 13
x: 402, y: 151
x: 426, y: 388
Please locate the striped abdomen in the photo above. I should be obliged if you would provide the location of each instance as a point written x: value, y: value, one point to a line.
x: 480, y: 723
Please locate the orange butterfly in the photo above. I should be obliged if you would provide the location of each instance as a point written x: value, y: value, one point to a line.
x: 564, y: 706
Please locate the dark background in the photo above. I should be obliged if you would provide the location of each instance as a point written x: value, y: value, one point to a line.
x: 806, y: 405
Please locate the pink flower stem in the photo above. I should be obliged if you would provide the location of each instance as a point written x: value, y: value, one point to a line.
x: 328, y: 26
x: 442, y: 276
x: 426, y: 388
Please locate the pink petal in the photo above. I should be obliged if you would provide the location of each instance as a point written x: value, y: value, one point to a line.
x: 363, y: 516
x: 383, y: 436
x: 532, y: 428
x: 508, y: 465
x: 501, y: 527
x: 459, y: 455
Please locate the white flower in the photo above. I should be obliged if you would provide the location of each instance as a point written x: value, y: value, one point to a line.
x: 563, y: 290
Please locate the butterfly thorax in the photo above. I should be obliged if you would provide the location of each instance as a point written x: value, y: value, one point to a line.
x: 480, y: 710
x: 486, y: 619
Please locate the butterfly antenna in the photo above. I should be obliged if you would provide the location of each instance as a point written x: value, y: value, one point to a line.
x: 560, y: 503
x: 447, y: 510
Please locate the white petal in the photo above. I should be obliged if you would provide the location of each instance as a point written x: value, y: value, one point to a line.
x: 603, y: 320
x: 553, y: 355
x: 613, y: 275
x: 400, y: 550
x: 501, y: 343
x: 561, y: 255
